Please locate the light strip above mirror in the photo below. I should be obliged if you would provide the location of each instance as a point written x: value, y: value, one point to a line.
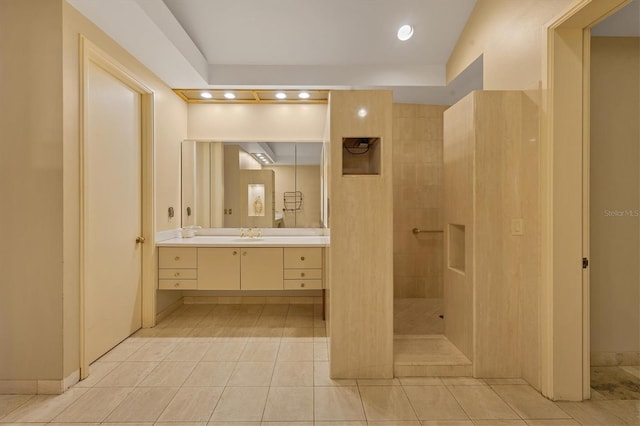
x: 253, y: 96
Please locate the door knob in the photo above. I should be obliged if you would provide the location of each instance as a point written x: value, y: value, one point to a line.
x: 139, y: 240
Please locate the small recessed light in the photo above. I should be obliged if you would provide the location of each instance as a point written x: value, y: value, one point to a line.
x: 262, y: 158
x: 405, y: 32
x: 362, y: 113
x: 206, y: 95
x: 304, y: 95
x: 281, y: 95
x: 229, y: 95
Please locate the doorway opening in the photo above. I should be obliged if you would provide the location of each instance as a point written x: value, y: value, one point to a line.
x: 614, y: 206
x: 421, y: 347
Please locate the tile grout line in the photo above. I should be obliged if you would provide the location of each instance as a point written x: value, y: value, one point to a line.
x: 20, y: 406
x: 366, y: 419
x: 264, y: 408
x: 404, y: 391
x: 515, y: 411
x: 457, y: 401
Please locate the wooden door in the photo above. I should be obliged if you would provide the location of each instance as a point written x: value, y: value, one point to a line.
x: 113, y: 212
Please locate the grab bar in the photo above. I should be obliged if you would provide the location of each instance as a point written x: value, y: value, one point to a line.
x: 420, y: 231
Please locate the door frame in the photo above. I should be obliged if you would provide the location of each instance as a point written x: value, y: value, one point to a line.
x: 564, y: 319
x: 90, y: 53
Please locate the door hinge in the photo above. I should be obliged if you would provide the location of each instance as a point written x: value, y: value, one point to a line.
x: 585, y: 263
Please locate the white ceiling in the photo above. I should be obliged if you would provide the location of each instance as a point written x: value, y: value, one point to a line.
x: 293, y: 43
x: 322, y: 32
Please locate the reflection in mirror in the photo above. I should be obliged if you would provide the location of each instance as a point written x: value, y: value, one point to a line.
x: 251, y: 184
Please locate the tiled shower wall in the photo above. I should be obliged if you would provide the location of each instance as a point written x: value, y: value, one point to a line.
x: 417, y: 200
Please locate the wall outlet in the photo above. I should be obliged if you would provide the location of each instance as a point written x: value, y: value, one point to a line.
x: 517, y: 226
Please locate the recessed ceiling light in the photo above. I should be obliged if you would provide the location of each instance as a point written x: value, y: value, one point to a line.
x: 206, y: 95
x: 281, y: 95
x: 405, y: 32
x: 304, y: 95
x: 362, y: 113
x: 263, y: 158
x: 229, y: 95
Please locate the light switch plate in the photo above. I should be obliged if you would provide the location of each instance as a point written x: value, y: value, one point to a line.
x: 517, y: 226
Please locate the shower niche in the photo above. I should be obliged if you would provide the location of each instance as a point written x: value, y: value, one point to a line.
x: 361, y: 156
x: 456, y: 254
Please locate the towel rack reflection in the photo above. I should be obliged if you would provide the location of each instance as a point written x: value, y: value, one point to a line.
x: 426, y: 231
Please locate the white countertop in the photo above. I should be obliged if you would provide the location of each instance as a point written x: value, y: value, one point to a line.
x: 236, y: 241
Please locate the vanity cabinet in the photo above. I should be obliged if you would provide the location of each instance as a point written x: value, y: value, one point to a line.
x: 239, y: 268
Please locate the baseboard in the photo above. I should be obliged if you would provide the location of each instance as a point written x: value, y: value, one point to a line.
x: 253, y: 300
x: 169, y: 309
x: 612, y: 359
x: 38, y: 387
x: 413, y: 370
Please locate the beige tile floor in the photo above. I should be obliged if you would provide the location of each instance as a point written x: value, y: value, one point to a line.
x: 177, y: 374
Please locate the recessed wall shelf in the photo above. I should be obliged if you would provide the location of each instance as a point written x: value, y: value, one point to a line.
x: 361, y: 156
x: 457, y: 252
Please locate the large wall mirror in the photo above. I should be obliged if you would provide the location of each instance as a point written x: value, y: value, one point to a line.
x: 252, y: 184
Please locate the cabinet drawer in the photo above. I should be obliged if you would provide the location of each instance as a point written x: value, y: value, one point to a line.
x: 177, y: 284
x: 302, y: 257
x: 171, y: 257
x: 308, y: 274
x: 302, y: 284
x: 177, y: 274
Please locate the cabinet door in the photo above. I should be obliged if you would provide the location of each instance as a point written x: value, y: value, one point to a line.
x: 218, y: 269
x: 262, y: 269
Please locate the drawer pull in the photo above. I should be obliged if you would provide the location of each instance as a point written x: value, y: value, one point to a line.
x: 244, y: 253
x: 301, y: 257
x: 235, y: 252
x: 177, y: 274
x: 302, y: 274
x: 176, y: 285
x: 177, y: 258
x: 301, y: 284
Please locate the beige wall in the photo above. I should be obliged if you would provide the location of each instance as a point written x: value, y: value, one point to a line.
x: 257, y: 123
x: 490, y: 157
x: 307, y: 180
x: 458, y: 144
x: 615, y: 194
x: 417, y: 200
x: 31, y: 189
x: 40, y: 103
x: 511, y: 36
x: 361, y: 264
